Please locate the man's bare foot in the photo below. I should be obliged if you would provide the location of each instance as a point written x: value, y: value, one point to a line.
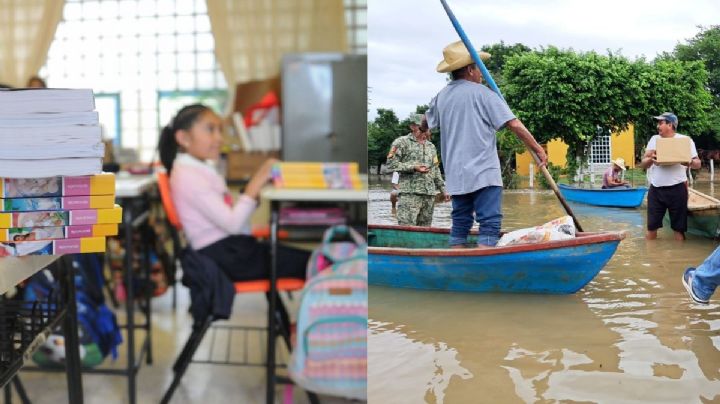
x: 484, y: 247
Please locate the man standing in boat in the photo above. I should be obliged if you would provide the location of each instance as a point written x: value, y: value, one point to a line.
x: 414, y: 157
x: 469, y: 116
x: 668, y: 183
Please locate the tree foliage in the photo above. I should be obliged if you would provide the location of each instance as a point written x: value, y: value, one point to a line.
x: 381, y: 133
x: 499, y: 54
x: 573, y: 96
x: 705, y: 47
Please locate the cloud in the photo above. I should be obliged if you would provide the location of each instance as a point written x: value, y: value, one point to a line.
x: 405, y: 39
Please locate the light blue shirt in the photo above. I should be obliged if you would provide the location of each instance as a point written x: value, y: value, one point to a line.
x: 469, y: 116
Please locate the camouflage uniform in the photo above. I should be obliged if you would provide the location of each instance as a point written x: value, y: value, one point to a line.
x: 417, y: 190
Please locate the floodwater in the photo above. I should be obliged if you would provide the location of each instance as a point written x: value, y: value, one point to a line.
x: 631, y: 335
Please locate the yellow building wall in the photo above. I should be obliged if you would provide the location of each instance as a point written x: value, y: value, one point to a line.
x: 556, y: 150
x: 623, y: 145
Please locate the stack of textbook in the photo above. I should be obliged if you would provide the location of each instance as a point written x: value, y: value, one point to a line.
x: 54, y: 199
x: 57, y: 215
x: 48, y: 132
x: 316, y: 175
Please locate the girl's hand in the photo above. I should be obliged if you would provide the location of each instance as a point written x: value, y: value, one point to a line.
x: 260, y: 178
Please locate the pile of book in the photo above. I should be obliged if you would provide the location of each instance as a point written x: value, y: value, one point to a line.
x: 316, y: 175
x: 57, y: 215
x: 54, y: 199
x: 49, y: 132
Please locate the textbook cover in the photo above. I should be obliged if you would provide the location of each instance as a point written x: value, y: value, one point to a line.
x: 57, y: 203
x: 53, y: 247
x: 100, y: 184
x: 57, y: 232
x: 316, y: 175
x: 61, y: 218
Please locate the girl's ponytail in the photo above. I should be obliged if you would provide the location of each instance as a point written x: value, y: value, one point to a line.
x: 167, y: 147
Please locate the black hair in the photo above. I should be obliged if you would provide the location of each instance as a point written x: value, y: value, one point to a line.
x: 184, y: 119
x: 461, y: 73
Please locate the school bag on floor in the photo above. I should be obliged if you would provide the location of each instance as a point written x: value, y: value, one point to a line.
x: 98, y: 331
x: 330, y: 356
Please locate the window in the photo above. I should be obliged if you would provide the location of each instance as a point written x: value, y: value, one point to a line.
x: 169, y: 102
x: 132, y: 53
x: 356, y: 22
x: 108, y: 107
x: 600, y: 149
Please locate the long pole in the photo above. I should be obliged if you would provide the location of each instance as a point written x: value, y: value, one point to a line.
x: 489, y: 80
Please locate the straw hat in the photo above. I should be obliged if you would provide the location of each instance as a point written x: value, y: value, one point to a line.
x: 620, y: 162
x: 456, y: 56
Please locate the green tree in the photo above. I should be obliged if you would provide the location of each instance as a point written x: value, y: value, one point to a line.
x: 573, y: 96
x: 671, y: 85
x: 705, y: 47
x: 381, y: 133
x: 499, y: 54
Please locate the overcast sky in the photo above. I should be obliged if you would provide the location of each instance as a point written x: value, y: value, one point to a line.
x: 406, y: 38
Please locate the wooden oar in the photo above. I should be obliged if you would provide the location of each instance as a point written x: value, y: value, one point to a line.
x: 489, y: 80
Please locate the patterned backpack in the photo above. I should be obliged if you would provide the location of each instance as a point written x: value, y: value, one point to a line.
x: 330, y: 356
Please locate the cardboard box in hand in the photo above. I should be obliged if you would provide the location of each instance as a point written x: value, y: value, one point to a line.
x: 673, y: 150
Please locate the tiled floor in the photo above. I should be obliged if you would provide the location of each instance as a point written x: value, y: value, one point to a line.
x: 201, y: 384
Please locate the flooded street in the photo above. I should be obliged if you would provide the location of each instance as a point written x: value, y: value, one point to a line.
x: 631, y: 335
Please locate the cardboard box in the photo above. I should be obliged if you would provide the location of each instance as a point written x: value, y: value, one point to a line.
x: 242, y: 165
x: 672, y: 150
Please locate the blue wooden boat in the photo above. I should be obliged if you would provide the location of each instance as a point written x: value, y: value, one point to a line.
x: 614, y: 197
x: 418, y: 258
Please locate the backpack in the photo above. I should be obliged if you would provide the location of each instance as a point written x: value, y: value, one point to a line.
x: 98, y: 331
x: 330, y: 356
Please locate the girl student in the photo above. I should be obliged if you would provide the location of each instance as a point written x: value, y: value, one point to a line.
x: 214, y: 225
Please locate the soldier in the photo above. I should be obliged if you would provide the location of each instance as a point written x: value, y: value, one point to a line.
x: 415, y: 158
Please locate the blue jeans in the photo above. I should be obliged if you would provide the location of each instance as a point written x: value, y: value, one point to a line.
x: 707, y: 276
x: 484, y: 206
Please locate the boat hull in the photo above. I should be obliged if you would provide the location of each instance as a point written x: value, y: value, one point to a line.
x: 557, y: 267
x: 702, y: 224
x: 617, y: 197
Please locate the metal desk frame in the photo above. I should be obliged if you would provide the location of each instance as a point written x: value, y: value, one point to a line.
x: 132, y: 193
x: 23, y: 268
x: 276, y: 197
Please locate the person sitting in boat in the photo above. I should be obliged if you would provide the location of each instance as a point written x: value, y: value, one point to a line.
x: 611, y: 178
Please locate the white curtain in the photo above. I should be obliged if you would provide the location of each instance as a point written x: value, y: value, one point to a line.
x: 27, y: 28
x: 252, y: 35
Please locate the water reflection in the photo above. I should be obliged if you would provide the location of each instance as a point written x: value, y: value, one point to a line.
x: 631, y: 335
x: 434, y: 365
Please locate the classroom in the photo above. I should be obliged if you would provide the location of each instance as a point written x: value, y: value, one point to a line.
x: 184, y: 201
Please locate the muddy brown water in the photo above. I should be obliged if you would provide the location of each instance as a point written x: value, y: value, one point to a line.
x: 630, y: 336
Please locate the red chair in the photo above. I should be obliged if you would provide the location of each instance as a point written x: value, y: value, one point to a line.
x: 199, y: 330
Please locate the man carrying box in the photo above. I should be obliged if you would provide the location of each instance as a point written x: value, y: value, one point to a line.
x: 668, y: 180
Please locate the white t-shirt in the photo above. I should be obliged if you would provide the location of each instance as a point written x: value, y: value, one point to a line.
x: 665, y: 176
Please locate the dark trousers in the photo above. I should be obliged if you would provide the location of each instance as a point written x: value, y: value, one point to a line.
x: 672, y: 199
x: 484, y: 206
x: 244, y: 258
